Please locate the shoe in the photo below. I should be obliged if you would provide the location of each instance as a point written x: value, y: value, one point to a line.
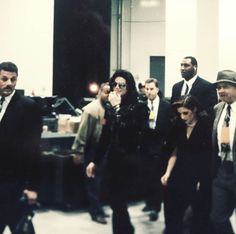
x: 153, y: 215
x: 105, y: 215
x: 146, y: 208
x: 99, y: 219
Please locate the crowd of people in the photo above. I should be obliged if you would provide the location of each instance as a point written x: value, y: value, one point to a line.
x: 180, y: 153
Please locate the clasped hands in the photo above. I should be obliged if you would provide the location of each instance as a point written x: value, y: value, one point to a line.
x: 114, y: 98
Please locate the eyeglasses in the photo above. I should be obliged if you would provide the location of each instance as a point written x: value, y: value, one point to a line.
x: 120, y: 85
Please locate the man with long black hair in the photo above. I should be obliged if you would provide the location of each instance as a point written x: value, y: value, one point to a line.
x: 121, y: 140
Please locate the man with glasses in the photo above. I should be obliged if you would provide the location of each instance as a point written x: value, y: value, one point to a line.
x: 121, y: 141
x: 20, y: 133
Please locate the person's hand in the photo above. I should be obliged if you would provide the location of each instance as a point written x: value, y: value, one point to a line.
x: 164, y: 179
x: 90, y: 170
x: 78, y: 159
x: 114, y: 98
x: 31, y: 196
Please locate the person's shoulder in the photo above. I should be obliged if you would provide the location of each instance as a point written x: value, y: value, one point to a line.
x: 139, y: 107
x: 204, y: 81
x: 165, y: 101
x: 27, y: 100
x: 92, y: 107
x: 178, y: 83
x: 219, y: 105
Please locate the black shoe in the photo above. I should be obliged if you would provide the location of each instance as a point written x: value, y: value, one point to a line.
x: 153, y: 215
x: 146, y: 208
x: 105, y: 215
x: 99, y: 219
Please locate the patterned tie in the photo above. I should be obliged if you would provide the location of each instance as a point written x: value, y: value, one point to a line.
x: 1, y: 102
x: 152, y: 117
x: 225, y: 140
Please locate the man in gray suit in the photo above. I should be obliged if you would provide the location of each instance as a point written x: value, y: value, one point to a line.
x: 224, y: 147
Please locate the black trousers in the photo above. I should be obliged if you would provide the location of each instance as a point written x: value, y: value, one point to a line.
x: 93, y: 187
x: 224, y: 198
x: 185, y: 209
x: 152, y: 186
x: 10, y: 207
x: 121, y: 223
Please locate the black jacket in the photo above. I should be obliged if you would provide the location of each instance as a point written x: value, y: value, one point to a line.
x: 20, y: 133
x: 203, y: 90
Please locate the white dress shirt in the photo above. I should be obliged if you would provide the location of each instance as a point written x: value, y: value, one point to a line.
x: 5, y: 104
x: 232, y: 127
x: 189, y: 83
x: 155, y: 103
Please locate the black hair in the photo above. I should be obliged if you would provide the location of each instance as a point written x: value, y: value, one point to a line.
x: 9, y: 66
x: 189, y: 102
x: 193, y: 60
x: 132, y: 94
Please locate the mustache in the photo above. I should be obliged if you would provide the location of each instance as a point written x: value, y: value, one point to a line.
x: 8, y: 87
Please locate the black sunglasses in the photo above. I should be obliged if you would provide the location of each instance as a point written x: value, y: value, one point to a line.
x: 120, y: 85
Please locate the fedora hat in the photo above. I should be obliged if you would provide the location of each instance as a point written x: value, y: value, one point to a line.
x: 228, y: 76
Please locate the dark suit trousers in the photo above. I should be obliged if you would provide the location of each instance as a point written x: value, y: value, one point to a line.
x: 93, y: 186
x: 224, y: 198
x: 152, y: 183
x: 10, y: 210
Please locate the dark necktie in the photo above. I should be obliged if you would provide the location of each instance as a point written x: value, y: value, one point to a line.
x: 152, y: 107
x: 186, y: 90
x: 227, y: 116
x: 1, y: 103
x: 225, y: 140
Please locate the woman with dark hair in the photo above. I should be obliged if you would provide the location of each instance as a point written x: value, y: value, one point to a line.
x: 188, y: 168
x: 120, y: 142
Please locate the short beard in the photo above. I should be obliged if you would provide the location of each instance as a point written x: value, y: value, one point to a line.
x: 189, y: 75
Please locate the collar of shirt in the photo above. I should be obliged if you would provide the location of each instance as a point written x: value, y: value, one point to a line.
x: 233, y: 108
x: 5, y: 104
x: 189, y: 83
x: 155, y: 102
x: 9, y: 97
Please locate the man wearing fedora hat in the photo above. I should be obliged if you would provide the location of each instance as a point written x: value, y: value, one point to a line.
x: 224, y: 149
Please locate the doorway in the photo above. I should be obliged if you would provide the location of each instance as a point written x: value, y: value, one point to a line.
x: 157, y: 71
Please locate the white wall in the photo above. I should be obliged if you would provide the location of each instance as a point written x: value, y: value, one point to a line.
x: 27, y: 40
x: 143, y: 35
x: 227, y: 34
x: 147, y: 36
x: 191, y: 30
x: 174, y: 29
x: 170, y: 28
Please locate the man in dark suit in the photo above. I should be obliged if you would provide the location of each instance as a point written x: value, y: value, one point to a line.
x: 206, y: 95
x: 20, y: 132
x: 155, y: 139
x: 194, y: 85
x: 224, y: 148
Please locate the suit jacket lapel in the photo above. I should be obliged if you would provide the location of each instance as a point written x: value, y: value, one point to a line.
x: 6, y: 118
x: 159, y: 113
x: 196, y: 86
x: 216, y: 121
